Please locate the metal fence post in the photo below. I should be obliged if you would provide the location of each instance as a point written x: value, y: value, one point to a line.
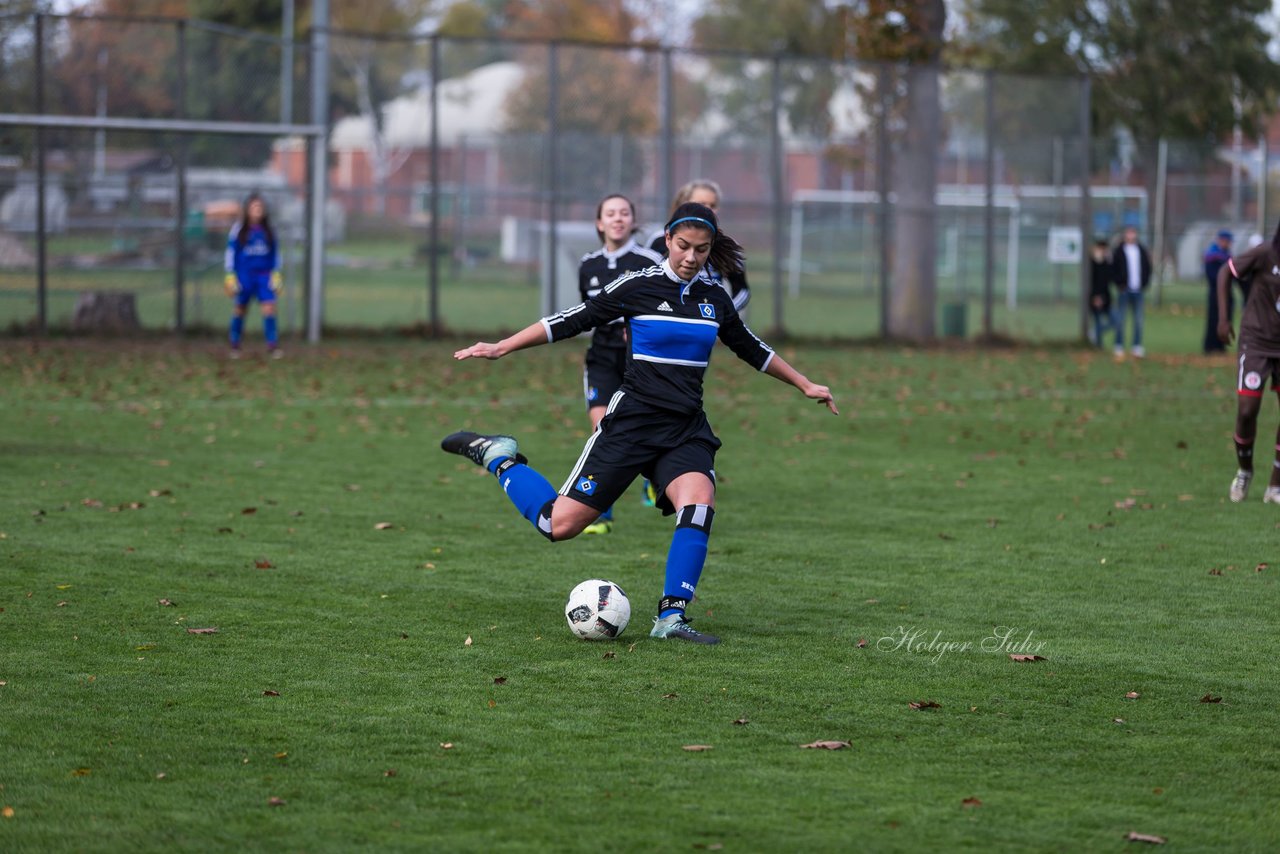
x: 1086, y: 202
x: 776, y: 189
x: 180, y: 168
x: 433, y: 239
x: 989, y: 208
x: 666, y: 140
x: 42, y: 284
x: 553, y: 176
x: 286, y: 64
x: 319, y: 167
x: 1158, y: 238
x: 882, y: 190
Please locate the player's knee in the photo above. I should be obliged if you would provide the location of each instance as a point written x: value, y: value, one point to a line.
x: 698, y: 516
x: 543, y: 524
x: 1249, y: 407
x: 268, y: 309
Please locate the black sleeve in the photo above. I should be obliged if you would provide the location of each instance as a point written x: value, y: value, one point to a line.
x: 742, y: 341
x: 603, y: 307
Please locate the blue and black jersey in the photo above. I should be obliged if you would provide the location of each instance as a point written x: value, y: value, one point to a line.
x: 672, y: 325
x: 601, y: 267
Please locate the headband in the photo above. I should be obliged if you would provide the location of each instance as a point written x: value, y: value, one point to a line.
x: 698, y: 219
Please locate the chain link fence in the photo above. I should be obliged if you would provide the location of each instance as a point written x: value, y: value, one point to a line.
x: 462, y: 178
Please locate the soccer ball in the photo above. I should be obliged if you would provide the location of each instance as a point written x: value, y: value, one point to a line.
x: 597, y: 610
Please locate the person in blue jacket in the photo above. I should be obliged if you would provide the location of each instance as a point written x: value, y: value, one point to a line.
x: 1218, y: 254
x: 253, y: 272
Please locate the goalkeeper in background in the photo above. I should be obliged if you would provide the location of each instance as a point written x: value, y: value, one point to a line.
x: 252, y: 265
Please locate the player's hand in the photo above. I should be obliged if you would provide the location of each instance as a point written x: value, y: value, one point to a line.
x: 231, y: 285
x: 821, y: 394
x: 1225, y: 332
x: 276, y: 281
x: 479, y: 350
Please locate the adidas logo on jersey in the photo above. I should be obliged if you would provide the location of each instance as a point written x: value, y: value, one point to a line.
x: 664, y: 306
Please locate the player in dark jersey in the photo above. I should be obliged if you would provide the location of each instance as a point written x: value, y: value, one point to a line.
x: 704, y: 191
x: 1259, y: 354
x: 606, y: 358
x: 655, y: 424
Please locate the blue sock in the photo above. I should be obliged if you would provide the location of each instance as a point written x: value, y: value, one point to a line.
x: 607, y: 515
x: 269, y: 329
x: 685, y: 558
x: 527, y: 490
x: 237, y: 329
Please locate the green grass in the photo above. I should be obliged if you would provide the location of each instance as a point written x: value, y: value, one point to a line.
x: 1051, y: 491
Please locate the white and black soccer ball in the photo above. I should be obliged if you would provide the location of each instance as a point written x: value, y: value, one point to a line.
x: 597, y: 610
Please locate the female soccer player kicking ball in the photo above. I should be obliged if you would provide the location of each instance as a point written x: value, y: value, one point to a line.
x: 655, y: 424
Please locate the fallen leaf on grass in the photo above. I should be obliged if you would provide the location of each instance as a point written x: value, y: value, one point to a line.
x: 446, y: 745
x: 144, y: 647
x: 62, y: 586
x: 263, y: 563
x: 248, y: 511
x: 1132, y: 695
x: 91, y: 502
x: 390, y: 772
x: 212, y: 630
x: 158, y: 493
x: 741, y: 722
x: 500, y: 680
x: 7, y: 812
x: 1145, y: 837
x: 825, y: 745
x: 923, y: 704
x: 862, y: 642
x: 62, y: 604
x: 610, y: 654
x: 696, y: 748
x: 166, y: 603
x: 81, y: 772
x: 669, y: 696
x: 970, y: 803
x: 275, y: 802
x: 1022, y: 657
x: 1215, y: 571
x: 467, y: 642
x: 382, y: 526
x: 224, y: 530
x: 1260, y: 567
x: 1117, y: 720
x: 270, y: 693
x: 1210, y: 698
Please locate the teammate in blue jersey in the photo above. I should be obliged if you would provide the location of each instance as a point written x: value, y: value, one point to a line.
x: 606, y: 358
x: 253, y: 272
x: 655, y: 424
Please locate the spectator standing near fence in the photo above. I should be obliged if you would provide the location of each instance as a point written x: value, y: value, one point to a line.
x: 1131, y: 272
x: 253, y: 272
x: 1218, y: 253
x: 1100, y: 289
x: 606, y: 358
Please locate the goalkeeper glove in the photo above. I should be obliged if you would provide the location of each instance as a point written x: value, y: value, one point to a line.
x: 276, y: 280
x: 231, y: 284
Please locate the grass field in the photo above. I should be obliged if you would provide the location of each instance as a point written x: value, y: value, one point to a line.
x: 391, y: 669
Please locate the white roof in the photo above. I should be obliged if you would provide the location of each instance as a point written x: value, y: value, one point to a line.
x: 471, y: 105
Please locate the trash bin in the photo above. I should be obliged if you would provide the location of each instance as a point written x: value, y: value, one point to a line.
x: 955, y: 319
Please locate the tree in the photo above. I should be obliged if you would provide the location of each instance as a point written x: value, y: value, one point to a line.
x: 1188, y: 69
x: 605, y: 95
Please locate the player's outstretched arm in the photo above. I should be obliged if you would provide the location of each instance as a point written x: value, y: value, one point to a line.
x: 531, y: 336
x: 779, y: 369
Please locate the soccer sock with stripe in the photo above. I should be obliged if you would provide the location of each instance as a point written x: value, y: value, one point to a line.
x: 686, y: 557
x: 237, y: 329
x: 1244, y: 452
x: 527, y: 490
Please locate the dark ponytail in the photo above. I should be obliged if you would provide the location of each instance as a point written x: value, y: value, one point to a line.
x: 726, y: 253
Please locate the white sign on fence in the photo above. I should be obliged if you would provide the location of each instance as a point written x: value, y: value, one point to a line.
x: 1065, y: 244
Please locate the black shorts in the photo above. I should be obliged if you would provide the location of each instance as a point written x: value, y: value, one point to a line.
x: 636, y: 439
x: 602, y: 374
